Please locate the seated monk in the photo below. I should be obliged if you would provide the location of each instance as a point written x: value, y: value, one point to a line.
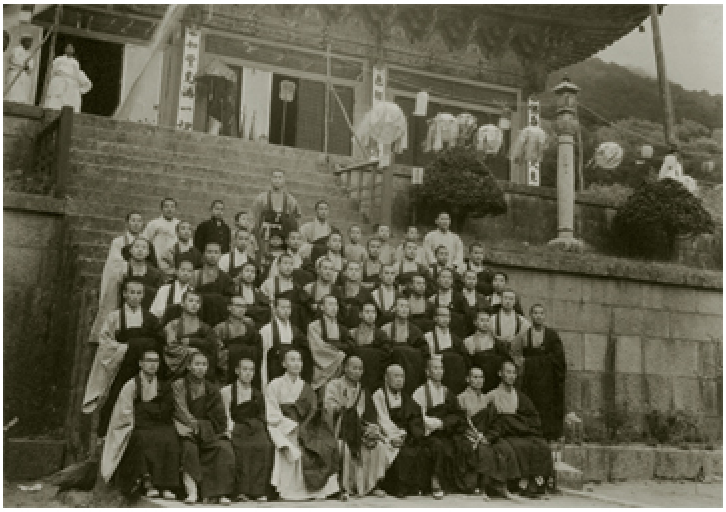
x: 141, y: 450
x: 372, y: 346
x: 441, y: 255
x: 329, y: 343
x: 239, y: 339
x: 364, y: 454
x: 277, y: 336
x: 353, y: 296
x: 214, y: 285
x: 422, y: 311
x: 509, y: 328
x: 167, y: 302
x: 324, y: 285
x: 512, y: 418
x: 447, y: 297
x: 201, y: 422
x: 333, y: 252
x: 475, y: 263
x: 484, y: 351
x: 456, y: 360
x: 495, y: 300
x: 284, y: 285
x: 247, y: 428
x: 409, y: 349
x: 409, y: 266
x: 258, y: 305
x: 385, y: 295
x: 241, y: 252
x: 443, y: 420
x: 372, y: 266
x: 138, y: 268
x: 401, y: 423
x: 471, y: 301
x: 306, y: 457
x: 482, y: 465
x: 188, y: 334
x: 124, y: 336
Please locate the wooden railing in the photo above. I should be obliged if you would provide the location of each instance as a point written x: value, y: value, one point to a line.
x: 52, y: 151
x: 371, y: 187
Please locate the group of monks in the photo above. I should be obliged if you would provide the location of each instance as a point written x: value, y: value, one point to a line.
x: 272, y: 361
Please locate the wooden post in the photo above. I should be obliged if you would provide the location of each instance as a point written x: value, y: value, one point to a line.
x: 665, y: 90
x: 327, y: 96
x: 372, y: 184
x: 387, y: 194
x: 63, y: 150
x: 284, y: 114
x: 51, y: 53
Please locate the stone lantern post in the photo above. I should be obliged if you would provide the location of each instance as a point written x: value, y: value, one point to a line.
x: 566, y: 127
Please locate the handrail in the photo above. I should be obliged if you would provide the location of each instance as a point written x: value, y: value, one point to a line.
x: 375, y: 190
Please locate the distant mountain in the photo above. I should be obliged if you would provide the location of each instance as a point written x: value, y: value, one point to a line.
x: 616, y: 92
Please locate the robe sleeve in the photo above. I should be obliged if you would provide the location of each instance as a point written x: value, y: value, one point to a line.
x: 556, y: 352
x: 431, y: 424
x: 159, y: 305
x: 216, y: 413
x: 185, y: 423
x: 226, y: 394
x: 120, y: 427
x: 326, y: 357
x: 278, y: 425
x: 105, y: 365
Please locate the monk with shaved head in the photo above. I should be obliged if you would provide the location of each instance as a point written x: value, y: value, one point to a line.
x: 401, y: 422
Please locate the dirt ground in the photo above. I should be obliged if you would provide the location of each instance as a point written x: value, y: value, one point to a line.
x: 646, y: 493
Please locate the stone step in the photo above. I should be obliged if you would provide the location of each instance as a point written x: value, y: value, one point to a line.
x: 195, y: 206
x: 198, y: 154
x: 248, y: 183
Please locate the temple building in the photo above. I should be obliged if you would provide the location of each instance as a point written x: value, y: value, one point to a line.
x: 219, y: 68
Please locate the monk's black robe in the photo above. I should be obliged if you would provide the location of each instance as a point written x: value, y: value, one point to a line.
x: 153, y: 447
x: 312, y: 306
x: 440, y: 444
x: 147, y: 337
x: 259, y: 311
x: 192, y: 255
x: 407, y: 474
x: 215, y: 297
x: 456, y: 361
x: 404, y: 277
x: 152, y: 280
x: 246, y: 346
x: 457, y: 309
x: 544, y: 381
x: 276, y: 355
x: 470, y: 312
x: 253, y: 449
x: 422, y: 313
x: 376, y: 357
x: 483, y: 279
x: 523, y: 432
x: 351, y: 307
x: 411, y: 355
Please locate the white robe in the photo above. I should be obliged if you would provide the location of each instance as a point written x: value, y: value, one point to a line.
x: 162, y: 234
x: 451, y: 241
x: 287, y: 471
x: 286, y: 334
x: 21, y: 89
x: 67, y: 84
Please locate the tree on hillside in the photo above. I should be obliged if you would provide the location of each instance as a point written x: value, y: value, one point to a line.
x: 458, y: 181
x: 652, y: 218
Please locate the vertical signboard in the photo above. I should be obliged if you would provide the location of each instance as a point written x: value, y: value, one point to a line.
x: 190, y: 65
x: 533, y: 119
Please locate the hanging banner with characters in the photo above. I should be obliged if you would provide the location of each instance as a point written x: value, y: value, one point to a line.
x: 533, y: 120
x: 190, y: 65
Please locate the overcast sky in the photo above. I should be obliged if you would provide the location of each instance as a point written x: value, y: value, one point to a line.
x: 692, y: 44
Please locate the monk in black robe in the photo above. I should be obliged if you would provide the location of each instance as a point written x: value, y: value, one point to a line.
x: 142, y: 451
x: 124, y: 336
x: 401, y: 422
x: 258, y: 305
x: 485, y: 352
x: 409, y: 349
x: 472, y: 302
x: 443, y: 421
x: 354, y: 295
x: 475, y: 263
x: 422, y: 310
x: 240, y: 339
x: 372, y: 266
x: 329, y: 343
x: 215, y: 286
x: 247, y: 427
x: 284, y: 285
x: 323, y: 286
x: 201, y: 422
x: 512, y: 418
x: 447, y: 297
x: 409, y: 267
x: 372, y: 346
x: 544, y: 374
x: 441, y: 340
x: 495, y: 299
x: 139, y: 269
x: 385, y: 295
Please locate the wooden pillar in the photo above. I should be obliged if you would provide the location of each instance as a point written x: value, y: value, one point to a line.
x: 665, y: 89
x: 386, y: 213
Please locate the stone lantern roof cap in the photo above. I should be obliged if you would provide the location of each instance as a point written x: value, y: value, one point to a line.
x: 566, y: 86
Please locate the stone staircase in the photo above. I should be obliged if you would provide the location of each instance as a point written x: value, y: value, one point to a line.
x: 118, y: 166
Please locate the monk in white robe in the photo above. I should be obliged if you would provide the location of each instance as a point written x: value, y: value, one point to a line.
x: 161, y: 232
x: 306, y: 457
x: 360, y: 441
x: 443, y: 236
x: 142, y: 448
x: 18, y: 67
x: 67, y: 82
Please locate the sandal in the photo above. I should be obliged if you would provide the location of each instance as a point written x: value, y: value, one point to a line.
x: 438, y: 494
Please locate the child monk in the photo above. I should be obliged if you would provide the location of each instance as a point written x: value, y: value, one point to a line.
x: 247, y: 428
x: 306, y: 457
x: 201, y: 422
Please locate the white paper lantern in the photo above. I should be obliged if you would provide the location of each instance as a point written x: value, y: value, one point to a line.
x: 504, y: 124
x: 646, y: 152
x: 422, y: 102
x: 287, y: 90
x: 608, y: 155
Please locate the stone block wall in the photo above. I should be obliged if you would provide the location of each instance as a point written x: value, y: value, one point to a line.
x: 21, y: 123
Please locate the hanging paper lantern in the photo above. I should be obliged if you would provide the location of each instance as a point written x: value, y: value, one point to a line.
x: 646, y: 152
x: 608, y: 155
x: 287, y: 90
x: 530, y: 145
x: 422, y: 102
x: 708, y: 166
x: 443, y: 129
x: 386, y: 124
x: 489, y: 139
x: 466, y: 125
